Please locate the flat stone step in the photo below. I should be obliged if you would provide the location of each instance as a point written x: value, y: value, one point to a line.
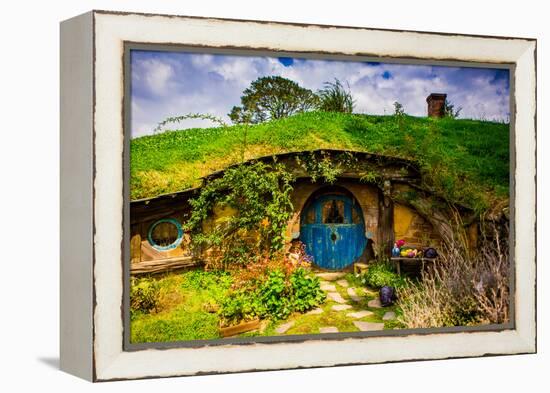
x: 328, y: 287
x: 343, y: 283
x: 341, y: 307
x: 368, y: 326
x: 284, y: 327
x: 330, y: 276
x: 335, y: 296
x: 315, y: 311
x: 375, y: 303
x: 353, y: 295
x: 389, y: 316
x: 328, y: 329
x: 360, y: 314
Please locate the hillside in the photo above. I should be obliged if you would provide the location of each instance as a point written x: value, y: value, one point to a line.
x: 466, y: 161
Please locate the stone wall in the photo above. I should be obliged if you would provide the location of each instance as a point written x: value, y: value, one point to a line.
x: 408, y: 224
x: 411, y: 227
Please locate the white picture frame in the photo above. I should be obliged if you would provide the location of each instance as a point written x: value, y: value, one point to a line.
x: 93, y: 193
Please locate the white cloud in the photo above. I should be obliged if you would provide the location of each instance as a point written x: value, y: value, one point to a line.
x: 157, y: 75
x: 171, y: 84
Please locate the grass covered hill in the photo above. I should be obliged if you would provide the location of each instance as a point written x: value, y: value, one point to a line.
x: 466, y: 161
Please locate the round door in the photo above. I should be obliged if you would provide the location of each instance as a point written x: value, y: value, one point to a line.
x: 333, y: 231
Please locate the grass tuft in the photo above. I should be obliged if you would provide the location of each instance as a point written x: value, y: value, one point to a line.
x: 467, y: 161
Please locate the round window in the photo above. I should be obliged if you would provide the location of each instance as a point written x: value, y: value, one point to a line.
x: 165, y: 234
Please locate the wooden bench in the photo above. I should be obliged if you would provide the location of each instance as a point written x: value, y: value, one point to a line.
x: 397, y: 261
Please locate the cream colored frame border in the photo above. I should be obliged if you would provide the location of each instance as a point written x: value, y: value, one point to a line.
x: 112, y: 30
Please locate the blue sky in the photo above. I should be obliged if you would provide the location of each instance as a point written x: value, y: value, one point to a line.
x: 174, y: 83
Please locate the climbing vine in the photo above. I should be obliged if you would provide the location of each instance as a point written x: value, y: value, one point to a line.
x: 258, y: 196
x: 319, y: 167
x: 189, y: 116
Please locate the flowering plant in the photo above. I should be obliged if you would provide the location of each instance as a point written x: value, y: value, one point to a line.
x: 298, y: 255
x: 400, y: 243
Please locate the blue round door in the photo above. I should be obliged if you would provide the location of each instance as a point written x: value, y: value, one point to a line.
x: 333, y: 231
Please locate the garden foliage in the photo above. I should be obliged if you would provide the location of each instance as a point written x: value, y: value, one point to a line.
x: 260, y: 196
x: 144, y: 294
x: 464, y: 289
x: 275, y: 298
x: 381, y: 273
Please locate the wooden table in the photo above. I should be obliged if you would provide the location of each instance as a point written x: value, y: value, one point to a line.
x: 397, y: 261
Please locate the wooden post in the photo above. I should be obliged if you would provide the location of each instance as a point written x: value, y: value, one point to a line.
x: 385, y: 219
x: 135, y: 248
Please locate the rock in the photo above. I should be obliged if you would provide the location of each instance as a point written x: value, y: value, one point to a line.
x: 389, y: 316
x: 341, y: 307
x: 328, y: 329
x: 375, y: 303
x: 360, y: 314
x: 328, y: 287
x: 315, y: 311
x: 336, y: 297
x: 284, y: 327
x: 330, y: 276
x: 353, y: 295
x: 343, y: 283
x: 368, y: 326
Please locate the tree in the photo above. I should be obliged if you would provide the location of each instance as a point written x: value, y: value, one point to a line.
x: 398, y: 109
x: 449, y: 110
x: 272, y: 97
x: 335, y: 98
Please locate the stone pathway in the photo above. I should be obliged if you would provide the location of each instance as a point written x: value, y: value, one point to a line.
x: 375, y: 303
x: 315, y: 311
x: 389, y: 316
x: 343, y: 283
x: 330, y: 276
x: 284, y: 327
x: 353, y: 295
x: 360, y: 314
x: 328, y: 329
x: 328, y: 287
x: 335, y: 296
x: 368, y: 326
x: 346, y: 305
x: 341, y: 307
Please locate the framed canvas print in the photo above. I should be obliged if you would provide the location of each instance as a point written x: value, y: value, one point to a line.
x: 246, y: 195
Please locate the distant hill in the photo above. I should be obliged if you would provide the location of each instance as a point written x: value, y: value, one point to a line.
x: 465, y: 161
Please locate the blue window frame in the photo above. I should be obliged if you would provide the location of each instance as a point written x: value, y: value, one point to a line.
x: 165, y: 234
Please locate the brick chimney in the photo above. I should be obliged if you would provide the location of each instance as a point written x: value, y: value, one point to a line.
x: 436, y: 104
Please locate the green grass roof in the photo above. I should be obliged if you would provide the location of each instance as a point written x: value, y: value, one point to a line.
x: 466, y: 161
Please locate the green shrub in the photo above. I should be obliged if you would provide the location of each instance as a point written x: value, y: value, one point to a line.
x: 275, y: 298
x: 380, y: 274
x: 144, y: 294
x: 240, y: 305
x: 307, y: 290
